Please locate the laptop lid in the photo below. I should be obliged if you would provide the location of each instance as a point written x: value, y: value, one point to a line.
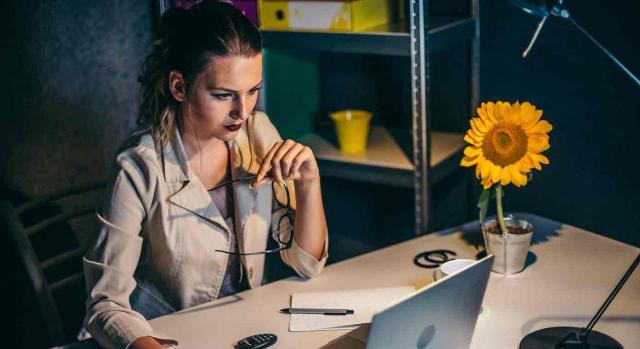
x: 441, y: 315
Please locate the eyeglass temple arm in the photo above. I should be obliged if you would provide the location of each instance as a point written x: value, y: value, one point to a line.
x: 237, y: 180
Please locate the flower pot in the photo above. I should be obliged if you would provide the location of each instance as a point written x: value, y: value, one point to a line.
x: 510, y: 250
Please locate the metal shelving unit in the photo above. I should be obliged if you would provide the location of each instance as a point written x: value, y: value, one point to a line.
x: 435, y: 154
x: 383, y: 40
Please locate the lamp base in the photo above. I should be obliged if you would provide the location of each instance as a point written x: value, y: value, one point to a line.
x: 550, y: 337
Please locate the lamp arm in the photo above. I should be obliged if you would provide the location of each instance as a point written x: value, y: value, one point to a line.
x: 534, y: 37
x: 613, y: 294
x: 613, y: 58
x: 578, y: 338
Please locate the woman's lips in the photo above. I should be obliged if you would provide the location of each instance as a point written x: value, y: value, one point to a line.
x: 233, y: 127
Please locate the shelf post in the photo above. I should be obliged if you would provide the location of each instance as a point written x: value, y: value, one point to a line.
x: 420, y: 117
x: 475, y: 94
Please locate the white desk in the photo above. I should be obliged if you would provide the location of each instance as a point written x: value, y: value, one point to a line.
x: 573, y: 272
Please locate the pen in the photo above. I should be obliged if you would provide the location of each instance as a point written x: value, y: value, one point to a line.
x: 316, y: 311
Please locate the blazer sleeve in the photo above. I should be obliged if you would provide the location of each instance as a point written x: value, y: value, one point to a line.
x: 111, y: 262
x: 304, y: 264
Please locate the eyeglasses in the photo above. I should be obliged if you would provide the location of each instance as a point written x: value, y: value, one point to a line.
x: 283, y: 239
x: 434, y: 258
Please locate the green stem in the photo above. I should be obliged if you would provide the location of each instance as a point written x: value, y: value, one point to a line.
x: 503, y: 228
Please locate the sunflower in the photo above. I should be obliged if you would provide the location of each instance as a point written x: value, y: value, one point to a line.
x: 505, y: 143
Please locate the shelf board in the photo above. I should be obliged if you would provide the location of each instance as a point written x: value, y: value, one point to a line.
x: 445, y: 145
x: 389, y: 39
x: 446, y: 152
x: 384, y: 161
x: 382, y: 151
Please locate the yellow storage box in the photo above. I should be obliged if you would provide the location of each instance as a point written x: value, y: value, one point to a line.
x: 345, y: 15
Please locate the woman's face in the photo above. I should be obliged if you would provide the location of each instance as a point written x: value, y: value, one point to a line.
x: 223, y: 96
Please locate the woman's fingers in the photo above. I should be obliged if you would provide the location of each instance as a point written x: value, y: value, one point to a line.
x: 284, y: 160
x: 258, y: 184
x: 276, y: 161
x: 289, y: 159
x: 304, y: 155
x: 265, y: 166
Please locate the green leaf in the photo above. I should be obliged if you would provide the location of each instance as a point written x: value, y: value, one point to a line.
x: 483, y: 203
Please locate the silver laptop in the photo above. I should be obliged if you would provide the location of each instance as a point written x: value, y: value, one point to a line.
x: 441, y: 315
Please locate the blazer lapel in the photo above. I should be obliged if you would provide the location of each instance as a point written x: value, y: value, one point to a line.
x: 191, y: 196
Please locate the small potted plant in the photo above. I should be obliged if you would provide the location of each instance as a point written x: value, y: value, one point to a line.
x: 505, y: 145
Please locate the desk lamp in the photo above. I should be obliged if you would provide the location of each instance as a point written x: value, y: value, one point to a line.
x: 544, y: 8
x: 571, y: 337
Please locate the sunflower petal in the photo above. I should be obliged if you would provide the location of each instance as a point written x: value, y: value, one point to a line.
x: 516, y: 106
x: 540, y: 158
x: 542, y: 126
x: 477, y: 136
x: 473, y: 127
x: 522, y: 166
x: 469, y: 139
x: 472, y: 151
x: 482, y: 113
x: 526, y: 162
x: 485, y: 169
x: 486, y: 184
x: 491, y: 111
x: 468, y: 161
x: 515, y: 175
x: 479, y: 126
x: 523, y: 179
x: 534, y: 163
x: 495, y: 173
x: 515, y: 113
x: 537, y: 145
x: 530, y: 116
x: 526, y: 109
x: 505, y: 177
x: 504, y: 111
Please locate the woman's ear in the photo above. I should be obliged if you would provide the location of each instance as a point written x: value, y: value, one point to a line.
x: 177, y: 86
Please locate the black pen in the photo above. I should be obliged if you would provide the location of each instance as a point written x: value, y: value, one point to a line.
x: 316, y: 311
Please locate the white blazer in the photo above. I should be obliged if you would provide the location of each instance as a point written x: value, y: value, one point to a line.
x: 160, y: 229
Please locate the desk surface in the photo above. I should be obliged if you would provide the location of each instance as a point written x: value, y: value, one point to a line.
x: 569, y: 275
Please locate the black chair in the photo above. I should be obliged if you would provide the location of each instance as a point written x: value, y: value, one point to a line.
x: 49, y: 235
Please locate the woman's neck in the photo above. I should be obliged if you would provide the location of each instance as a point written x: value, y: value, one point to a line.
x: 207, y: 158
x: 196, y: 144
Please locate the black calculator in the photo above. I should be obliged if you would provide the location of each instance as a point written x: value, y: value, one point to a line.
x: 257, y: 341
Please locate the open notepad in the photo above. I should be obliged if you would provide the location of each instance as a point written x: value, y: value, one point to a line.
x: 364, y: 302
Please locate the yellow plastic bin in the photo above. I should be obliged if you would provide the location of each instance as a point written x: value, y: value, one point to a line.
x: 352, y: 128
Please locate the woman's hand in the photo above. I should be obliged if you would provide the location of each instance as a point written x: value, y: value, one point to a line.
x: 288, y: 160
x: 291, y: 160
x: 146, y: 343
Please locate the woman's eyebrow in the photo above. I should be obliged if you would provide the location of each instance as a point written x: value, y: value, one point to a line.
x: 258, y: 85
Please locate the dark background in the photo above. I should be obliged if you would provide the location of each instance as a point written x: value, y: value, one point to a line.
x: 69, y: 95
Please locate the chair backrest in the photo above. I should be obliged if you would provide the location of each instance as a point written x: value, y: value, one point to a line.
x: 49, y: 250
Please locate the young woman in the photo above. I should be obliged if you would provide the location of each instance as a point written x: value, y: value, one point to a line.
x: 200, y: 187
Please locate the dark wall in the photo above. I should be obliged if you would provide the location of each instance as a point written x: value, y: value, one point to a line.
x: 69, y: 95
x: 593, y: 106
x: 70, y: 91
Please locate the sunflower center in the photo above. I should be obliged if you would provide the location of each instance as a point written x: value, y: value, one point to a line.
x: 505, y: 144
